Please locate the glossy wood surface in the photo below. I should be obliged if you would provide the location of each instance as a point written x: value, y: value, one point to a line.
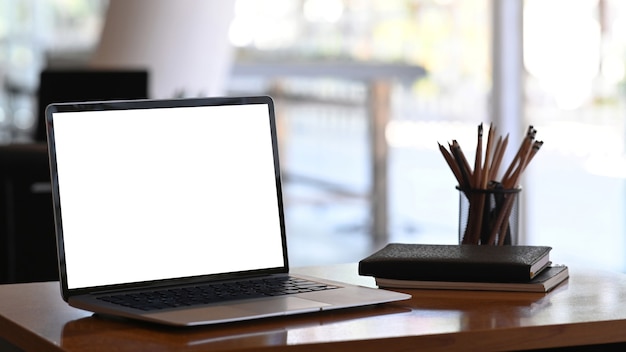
x: 589, y: 308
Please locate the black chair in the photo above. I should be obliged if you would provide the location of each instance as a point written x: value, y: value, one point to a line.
x: 27, y: 240
x: 73, y: 85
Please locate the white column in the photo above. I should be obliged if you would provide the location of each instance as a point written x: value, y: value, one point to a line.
x: 183, y: 43
x: 507, y: 92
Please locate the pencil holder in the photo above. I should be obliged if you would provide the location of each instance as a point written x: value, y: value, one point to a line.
x: 489, y: 216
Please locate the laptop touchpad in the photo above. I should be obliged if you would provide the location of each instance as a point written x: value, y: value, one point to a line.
x: 239, y: 310
x: 284, y: 304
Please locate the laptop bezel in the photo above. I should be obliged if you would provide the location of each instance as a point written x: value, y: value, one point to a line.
x: 150, y: 104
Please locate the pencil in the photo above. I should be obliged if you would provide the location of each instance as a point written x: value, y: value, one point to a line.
x: 530, y: 134
x: 453, y: 165
x: 498, y: 156
x: 478, y: 158
x: 488, y: 157
x: 462, y: 162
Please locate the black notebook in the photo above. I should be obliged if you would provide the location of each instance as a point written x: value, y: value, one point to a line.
x: 545, y: 281
x: 403, y: 261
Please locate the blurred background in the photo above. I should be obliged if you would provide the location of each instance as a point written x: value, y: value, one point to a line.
x: 365, y: 89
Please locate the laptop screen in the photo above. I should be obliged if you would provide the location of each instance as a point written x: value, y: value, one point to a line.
x: 152, y: 192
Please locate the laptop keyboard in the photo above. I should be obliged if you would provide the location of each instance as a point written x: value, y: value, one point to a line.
x: 216, y: 292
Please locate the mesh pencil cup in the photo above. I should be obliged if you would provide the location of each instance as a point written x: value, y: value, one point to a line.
x: 489, y: 216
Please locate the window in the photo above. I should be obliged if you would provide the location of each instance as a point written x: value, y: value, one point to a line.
x: 31, y: 34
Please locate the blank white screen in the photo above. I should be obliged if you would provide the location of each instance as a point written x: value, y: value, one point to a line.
x: 165, y: 193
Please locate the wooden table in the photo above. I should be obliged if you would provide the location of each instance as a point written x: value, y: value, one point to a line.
x: 587, y: 309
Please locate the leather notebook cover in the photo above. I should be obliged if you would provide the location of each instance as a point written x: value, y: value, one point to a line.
x: 456, y: 262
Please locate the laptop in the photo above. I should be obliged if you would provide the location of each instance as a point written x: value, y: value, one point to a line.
x: 171, y: 211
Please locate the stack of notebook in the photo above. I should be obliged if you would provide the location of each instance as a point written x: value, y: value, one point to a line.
x: 464, y: 267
